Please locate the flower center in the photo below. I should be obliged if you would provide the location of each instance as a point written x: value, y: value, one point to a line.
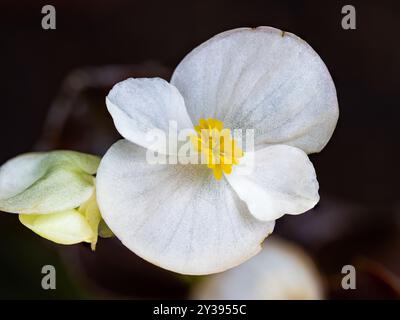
x: 216, y: 146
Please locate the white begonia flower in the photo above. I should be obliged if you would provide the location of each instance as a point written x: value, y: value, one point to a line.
x: 54, y: 194
x: 282, y: 271
x: 186, y: 217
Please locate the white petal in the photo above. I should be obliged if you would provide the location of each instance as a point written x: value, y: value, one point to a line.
x: 49, y: 182
x: 104, y: 231
x: 261, y: 79
x: 66, y: 227
x: 279, y: 180
x: 19, y: 173
x: 175, y: 216
x: 140, y: 107
x: 281, y: 271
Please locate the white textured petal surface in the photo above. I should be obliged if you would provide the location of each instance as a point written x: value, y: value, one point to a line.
x: 19, y: 173
x: 175, y: 216
x: 142, y: 106
x: 281, y: 271
x: 262, y: 79
x: 66, y: 227
x: 278, y: 180
x: 49, y: 182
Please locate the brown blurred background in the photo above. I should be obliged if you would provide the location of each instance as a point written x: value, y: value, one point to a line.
x: 53, y: 84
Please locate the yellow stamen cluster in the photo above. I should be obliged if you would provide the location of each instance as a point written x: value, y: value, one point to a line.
x: 216, y: 146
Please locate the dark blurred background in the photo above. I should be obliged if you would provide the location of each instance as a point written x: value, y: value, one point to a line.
x: 53, y: 84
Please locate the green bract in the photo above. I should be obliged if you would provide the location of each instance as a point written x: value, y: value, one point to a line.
x: 54, y: 193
